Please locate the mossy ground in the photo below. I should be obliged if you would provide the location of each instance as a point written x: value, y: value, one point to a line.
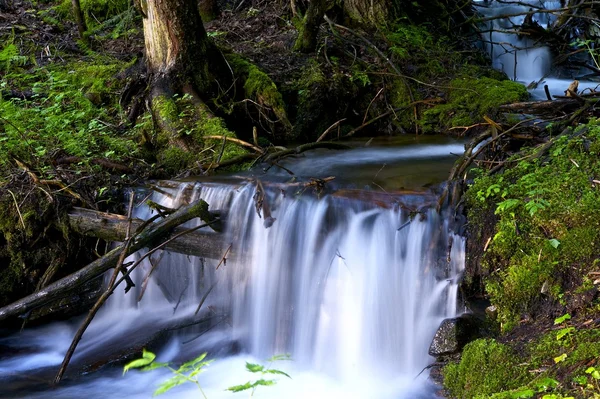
x: 540, y: 262
x: 547, y: 234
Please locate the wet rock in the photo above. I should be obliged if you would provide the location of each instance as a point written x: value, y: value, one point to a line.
x: 453, y: 334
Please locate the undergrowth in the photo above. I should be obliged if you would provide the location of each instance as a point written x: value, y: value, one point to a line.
x: 69, y: 111
x: 547, y: 237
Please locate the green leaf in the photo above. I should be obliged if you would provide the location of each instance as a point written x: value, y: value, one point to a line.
x: 522, y: 393
x: 560, y: 358
x: 147, y: 358
x: 154, y: 366
x: 285, y: 356
x: 562, y: 332
x: 593, y: 372
x: 279, y: 372
x: 263, y: 382
x: 170, y: 384
x: 562, y: 319
x: 239, y: 388
x: 254, y: 368
x: 192, y: 363
x: 546, y: 383
x: 554, y: 242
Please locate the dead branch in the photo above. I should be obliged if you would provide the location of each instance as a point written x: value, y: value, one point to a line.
x: 237, y: 141
x: 154, y: 232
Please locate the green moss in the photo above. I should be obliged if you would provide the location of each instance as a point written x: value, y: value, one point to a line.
x: 548, y: 227
x: 174, y: 159
x: 486, y: 367
x: 94, y: 11
x: 258, y: 86
x: 469, y: 100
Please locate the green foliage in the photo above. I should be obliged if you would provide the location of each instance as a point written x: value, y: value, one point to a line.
x: 94, y: 11
x: 63, y: 114
x: 469, y: 100
x: 406, y: 38
x: 10, y: 56
x: 187, y: 372
x: 548, y: 222
x: 486, y: 367
x: 262, y: 371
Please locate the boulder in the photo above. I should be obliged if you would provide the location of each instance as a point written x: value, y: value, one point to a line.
x: 453, y: 334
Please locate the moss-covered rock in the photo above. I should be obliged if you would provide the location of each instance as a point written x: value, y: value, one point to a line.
x: 261, y: 89
x: 486, y: 367
x: 469, y: 100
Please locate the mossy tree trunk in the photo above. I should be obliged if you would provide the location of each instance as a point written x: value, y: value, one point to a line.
x: 307, y: 37
x: 178, y: 49
x: 368, y: 12
x: 181, y: 59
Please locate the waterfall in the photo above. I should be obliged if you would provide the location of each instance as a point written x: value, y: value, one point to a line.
x: 349, y: 289
x: 351, y: 283
x: 521, y: 58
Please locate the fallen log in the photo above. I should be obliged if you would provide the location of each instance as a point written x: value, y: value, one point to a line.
x: 561, y: 104
x: 112, y: 227
x: 153, y: 234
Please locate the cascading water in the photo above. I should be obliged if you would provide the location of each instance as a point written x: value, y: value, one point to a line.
x: 521, y: 58
x: 353, y: 291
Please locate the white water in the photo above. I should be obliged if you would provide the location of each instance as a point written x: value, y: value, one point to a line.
x: 332, y: 282
x: 521, y: 58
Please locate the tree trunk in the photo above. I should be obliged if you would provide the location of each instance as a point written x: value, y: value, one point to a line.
x: 81, y: 26
x: 178, y: 50
x: 307, y: 37
x: 367, y: 12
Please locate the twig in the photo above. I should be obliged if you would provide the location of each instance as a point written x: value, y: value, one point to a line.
x: 18, y: 210
x: 101, y: 300
x: 237, y: 141
x: 371, y: 103
x: 224, y: 257
x: 379, y: 52
x: 330, y: 128
x: 204, y: 297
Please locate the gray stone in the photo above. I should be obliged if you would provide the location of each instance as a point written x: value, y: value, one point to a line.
x: 453, y: 334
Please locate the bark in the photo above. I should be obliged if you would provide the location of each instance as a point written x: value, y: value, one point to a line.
x: 79, y: 20
x: 178, y: 50
x: 152, y: 235
x: 112, y: 227
x: 307, y: 38
x: 368, y: 12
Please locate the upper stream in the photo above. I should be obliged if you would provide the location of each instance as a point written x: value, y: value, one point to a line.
x: 351, y: 281
x: 524, y: 59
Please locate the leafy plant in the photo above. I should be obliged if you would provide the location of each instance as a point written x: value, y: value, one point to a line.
x: 187, y: 372
x: 262, y: 371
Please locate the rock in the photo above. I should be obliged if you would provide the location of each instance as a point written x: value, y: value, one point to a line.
x: 491, y: 312
x: 453, y: 334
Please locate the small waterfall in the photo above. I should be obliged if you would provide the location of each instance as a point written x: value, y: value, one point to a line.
x: 521, y: 58
x: 349, y: 289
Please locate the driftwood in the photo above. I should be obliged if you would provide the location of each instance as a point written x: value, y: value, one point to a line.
x: 112, y: 227
x: 151, y: 235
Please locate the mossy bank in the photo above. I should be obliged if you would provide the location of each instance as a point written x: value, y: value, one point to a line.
x: 535, y: 238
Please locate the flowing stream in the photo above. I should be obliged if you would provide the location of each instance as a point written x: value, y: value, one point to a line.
x: 522, y: 58
x: 351, y: 282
